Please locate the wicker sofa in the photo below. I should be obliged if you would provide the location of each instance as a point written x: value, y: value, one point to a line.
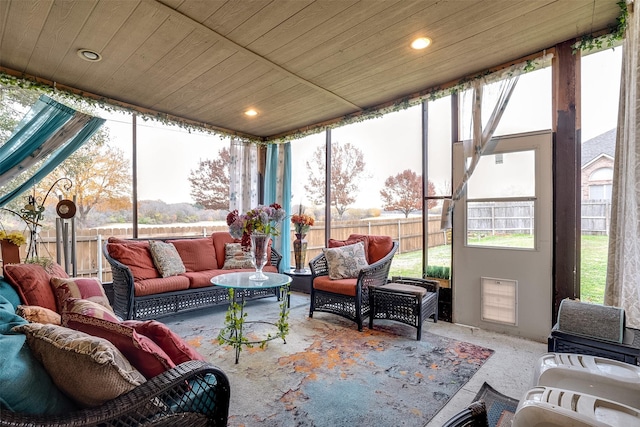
x: 191, y: 392
x: 165, y: 400
x: 140, y: 293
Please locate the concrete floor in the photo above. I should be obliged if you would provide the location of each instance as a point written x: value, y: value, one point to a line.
x: 509, y: 370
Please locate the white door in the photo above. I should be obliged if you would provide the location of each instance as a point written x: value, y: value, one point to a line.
x: 502, y: 238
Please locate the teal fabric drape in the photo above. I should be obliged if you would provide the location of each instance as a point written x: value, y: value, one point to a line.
x: 277, y: 189
x: 50, y: 132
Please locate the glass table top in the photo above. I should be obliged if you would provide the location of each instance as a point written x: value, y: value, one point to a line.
x: 241, y: 280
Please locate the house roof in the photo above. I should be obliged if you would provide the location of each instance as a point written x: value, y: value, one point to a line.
x: 297, y: 62
x: 603, y: 144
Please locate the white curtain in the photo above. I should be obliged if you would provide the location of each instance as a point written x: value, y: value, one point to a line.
x: 623, y: 269
x: 243, y: 192
x: 481, y: 141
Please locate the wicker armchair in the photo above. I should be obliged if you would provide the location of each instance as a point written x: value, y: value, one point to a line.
x: 193, y: 393
x: 353, y: 307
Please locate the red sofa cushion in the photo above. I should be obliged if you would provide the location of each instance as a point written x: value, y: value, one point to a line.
x: 221, y: 237
x: 196, y: 254
x: 161, y: 284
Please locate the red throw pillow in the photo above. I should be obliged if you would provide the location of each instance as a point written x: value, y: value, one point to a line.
x: 379, y: 246
x: 140, y: 351
x: 177, y: 349
x: 333, y: 243
x: 31, y: 281
x: 82, y: 288
x: 137, y: 257
x: 196, y: 254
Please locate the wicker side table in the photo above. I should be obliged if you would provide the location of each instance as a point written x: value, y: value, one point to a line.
x: 404, y: 299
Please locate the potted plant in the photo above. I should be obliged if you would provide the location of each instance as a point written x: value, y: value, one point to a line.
x: 10, y: 246
x: 440, y: 273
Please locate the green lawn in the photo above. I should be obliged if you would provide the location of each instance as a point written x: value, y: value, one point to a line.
x: 593, y: 266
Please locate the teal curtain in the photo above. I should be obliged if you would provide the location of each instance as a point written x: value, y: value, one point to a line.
x: 277, y: 189
x: 49, y: 133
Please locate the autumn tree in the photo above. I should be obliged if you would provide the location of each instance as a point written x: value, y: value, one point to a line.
x: 210, y: 181
x: 100, y: 175
x: 403, y: 192
x: 347, y: 169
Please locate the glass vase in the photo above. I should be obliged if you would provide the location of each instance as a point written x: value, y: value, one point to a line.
x: 300, y: 252
x: 259, y: 244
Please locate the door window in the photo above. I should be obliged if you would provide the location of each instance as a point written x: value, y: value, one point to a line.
x: 501, y: 202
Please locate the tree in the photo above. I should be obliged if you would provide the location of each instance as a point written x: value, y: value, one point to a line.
x: 347, y: 169
x: 210, y: 181
x: 403, y: 192
x: 100, y: 176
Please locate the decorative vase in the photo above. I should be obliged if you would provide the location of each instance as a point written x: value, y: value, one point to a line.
x: 259, y: 244
x: 300, y: 252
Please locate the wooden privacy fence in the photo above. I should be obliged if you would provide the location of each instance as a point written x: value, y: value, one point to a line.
x: 518, y: 217
x: 91, y: 263
x: 596, y: 217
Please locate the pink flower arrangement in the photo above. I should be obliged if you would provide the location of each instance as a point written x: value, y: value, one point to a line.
x: 261, y: 219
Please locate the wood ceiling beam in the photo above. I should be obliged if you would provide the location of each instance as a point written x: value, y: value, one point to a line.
x: 219, y: 37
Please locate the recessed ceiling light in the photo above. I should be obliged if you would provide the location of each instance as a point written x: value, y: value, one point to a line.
x: 251, y: 112
x: 421, y: 43
x: 89, y: 55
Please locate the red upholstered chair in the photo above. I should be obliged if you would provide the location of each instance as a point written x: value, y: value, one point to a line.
x: 349, y: 297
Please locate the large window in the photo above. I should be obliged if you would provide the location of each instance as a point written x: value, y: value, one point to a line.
x: 600, y: 88
x: 377, y: 183
x: 307, y: 188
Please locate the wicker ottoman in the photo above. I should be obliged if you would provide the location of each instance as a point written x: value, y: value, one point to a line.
x: 405, y: 300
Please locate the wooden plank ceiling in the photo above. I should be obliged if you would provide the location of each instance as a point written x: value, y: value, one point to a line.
x: 297, y: 62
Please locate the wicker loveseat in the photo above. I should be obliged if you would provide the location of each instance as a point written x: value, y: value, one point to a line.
x: 139, y: 292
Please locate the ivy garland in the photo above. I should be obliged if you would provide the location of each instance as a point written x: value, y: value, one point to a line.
x: 616, y: 33
x: 586, y: 43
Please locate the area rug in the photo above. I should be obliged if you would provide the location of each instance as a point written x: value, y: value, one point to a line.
x: 500, y: 408
x: 329, y: 374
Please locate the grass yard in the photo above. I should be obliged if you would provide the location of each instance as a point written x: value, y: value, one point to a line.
x: 593, y: 267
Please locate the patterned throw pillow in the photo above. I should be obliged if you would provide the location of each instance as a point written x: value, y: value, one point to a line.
x: 235, y: 258
x: 166, y: 258
x: 88, y: 308
x: 345, y: 262
x: 37, y: 314
x: 76, y: 287
x: 88, y: 369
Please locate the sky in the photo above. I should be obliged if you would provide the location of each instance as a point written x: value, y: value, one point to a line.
x: 166, y: 155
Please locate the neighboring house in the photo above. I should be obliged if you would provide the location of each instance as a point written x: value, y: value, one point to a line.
x: 597, y: 166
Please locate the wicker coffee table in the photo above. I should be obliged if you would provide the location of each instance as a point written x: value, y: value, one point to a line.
x: 232, y: 333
